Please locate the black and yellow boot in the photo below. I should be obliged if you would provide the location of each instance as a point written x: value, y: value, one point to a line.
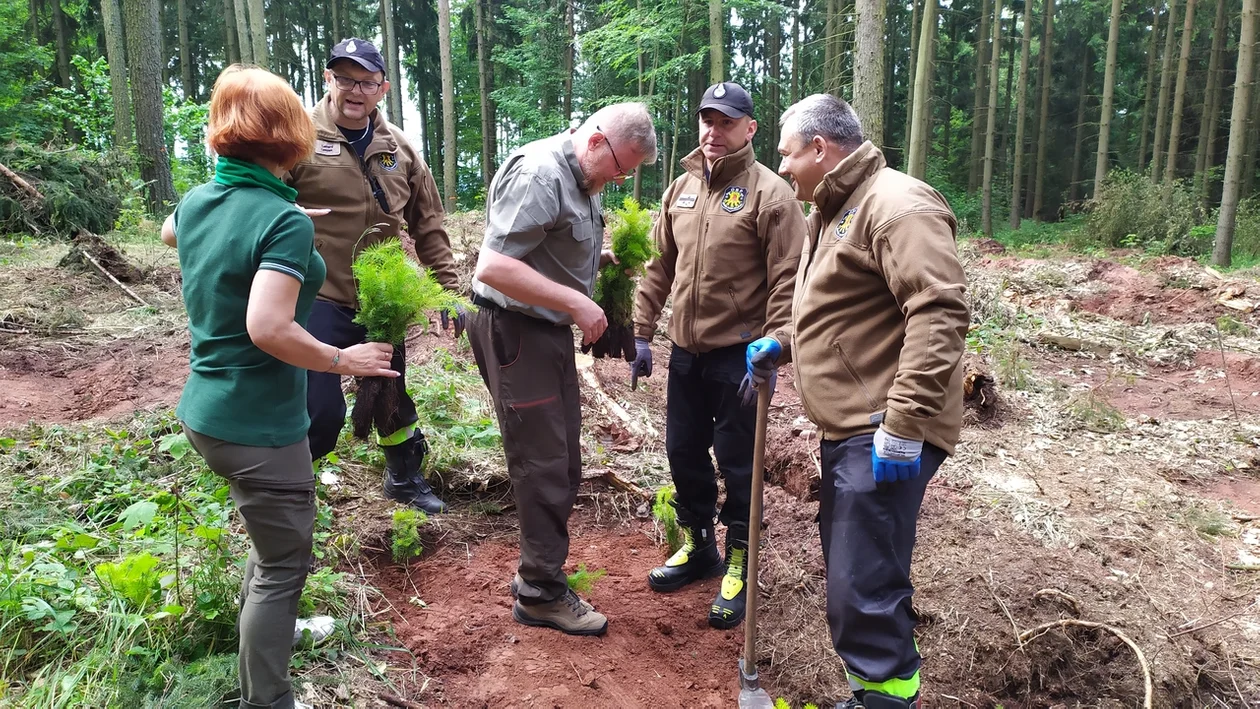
x: 404, y: 475
x: 696, y: 559
x: 869, y: 699
x: 727, y: 610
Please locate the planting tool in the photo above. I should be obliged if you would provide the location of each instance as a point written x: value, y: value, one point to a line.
x: 751, y: 695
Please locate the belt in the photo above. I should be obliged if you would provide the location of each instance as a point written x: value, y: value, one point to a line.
x: 486, y: 303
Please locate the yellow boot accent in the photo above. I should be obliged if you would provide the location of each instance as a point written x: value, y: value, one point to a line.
x: 733, y: 581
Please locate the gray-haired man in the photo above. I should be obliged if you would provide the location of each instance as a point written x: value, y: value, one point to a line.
x: 534, y: 279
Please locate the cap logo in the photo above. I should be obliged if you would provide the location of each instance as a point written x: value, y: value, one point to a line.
x: 352, y: 48
x: 720, y: 91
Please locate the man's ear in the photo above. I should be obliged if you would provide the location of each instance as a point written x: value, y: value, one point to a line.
x: 594, y: 140
x: 820, y: 148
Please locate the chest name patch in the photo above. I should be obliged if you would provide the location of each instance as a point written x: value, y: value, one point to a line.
x: 685, y: 201
x: 734, y: 199
x: 323, y: 147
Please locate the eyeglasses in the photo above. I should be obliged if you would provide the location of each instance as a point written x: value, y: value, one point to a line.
x: 621, y: 171
x: 345, y: 83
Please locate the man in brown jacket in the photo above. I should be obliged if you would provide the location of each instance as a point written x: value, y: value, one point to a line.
x: 879, y: 320
x: 375, y: 187
x: 729, y: 237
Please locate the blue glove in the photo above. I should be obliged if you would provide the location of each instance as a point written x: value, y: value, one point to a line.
x: 895, y: 459
x: 461, y: 320
x: 642, y: 364
x: 761, y: 357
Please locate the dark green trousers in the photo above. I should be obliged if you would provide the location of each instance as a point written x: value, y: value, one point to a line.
x: 274, y: 490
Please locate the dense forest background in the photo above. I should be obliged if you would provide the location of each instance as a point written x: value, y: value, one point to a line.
x: 1020, y: 111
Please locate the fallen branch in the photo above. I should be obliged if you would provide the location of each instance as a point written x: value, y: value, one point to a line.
x: 1033, y: 634
x: 1225, y: 367
x: 1060, y: 596
x: 586, y: 365
x: 620, y: 483
x: 395, y: 701
x: 1218, y: 621
x: 1073, y: 344
x: 20, y: 183
x: 92, y: 260
x: 1243, y: 567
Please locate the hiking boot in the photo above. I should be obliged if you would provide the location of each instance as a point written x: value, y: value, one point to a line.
x: 568, y: 614
x: 516, y: 581
x: 404, y: 476
x: 869, y: 699
x: 696, y: 559
x: 727, y: 610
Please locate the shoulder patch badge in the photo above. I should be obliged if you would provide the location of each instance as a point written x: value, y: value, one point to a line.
x: 685, y: 201
x: 846, y: 221
x: 734, y: 199
x: 389, y: 162
x: 323, y: 147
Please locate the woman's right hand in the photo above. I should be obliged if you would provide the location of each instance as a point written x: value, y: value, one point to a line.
x: 370, y: 359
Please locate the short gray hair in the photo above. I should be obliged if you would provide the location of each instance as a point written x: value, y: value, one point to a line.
x: 825, y: 115
x: 631, y: 123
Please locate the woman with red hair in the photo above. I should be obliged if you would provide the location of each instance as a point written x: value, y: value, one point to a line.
x: 250, y: 275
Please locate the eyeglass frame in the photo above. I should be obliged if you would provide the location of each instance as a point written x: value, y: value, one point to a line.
x: 359, y: 84
x: 621, y: 171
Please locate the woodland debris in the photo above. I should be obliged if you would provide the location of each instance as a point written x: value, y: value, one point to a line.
x: 1040, y: 630
x: 1073, y: 344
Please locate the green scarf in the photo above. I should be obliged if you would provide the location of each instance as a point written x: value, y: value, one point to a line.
x: 235, y: 172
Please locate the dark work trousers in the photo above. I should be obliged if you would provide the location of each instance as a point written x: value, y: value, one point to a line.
x: 529, y: 368
x: 868, y: 534
x: 703, y: 411
x: 334, y: 325
x: 274, y: 491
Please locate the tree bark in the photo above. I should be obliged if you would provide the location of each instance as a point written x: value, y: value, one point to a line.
x: 142, y: 26
x: 569, y: 60
x: 395, y: 95
x: 486, y: 82
x: 990, y: 129
x: 1109, y: 89
x: 1221, y: 252
x: 1074, y: 183
x: 1020, y: 105
x: 1205, y: 153
x: 258, y: 33
x: 1150, y: 84
x: 981, y: 92
x: 914, y: 60
x: 245, y: 42
x: 116, y: 54
x: 1179, y: 100
x: 795, y: 94
x: 774, y: 28
x: 231, y: 45
x: 1165, y: 85
x: 1253, y: 137
x: 831, y: 49
x: 1043, y: 124
x: 62, y: 35
x: 450, y: 179
x: 717, y: 62
x: 186, y: 62
x: 868, y: 68
x: 916, y: 163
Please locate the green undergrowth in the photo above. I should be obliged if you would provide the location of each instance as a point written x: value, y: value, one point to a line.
x: 583, y: 580
x: 120, y: 568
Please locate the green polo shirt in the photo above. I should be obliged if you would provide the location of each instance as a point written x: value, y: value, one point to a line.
x: 228, y: 230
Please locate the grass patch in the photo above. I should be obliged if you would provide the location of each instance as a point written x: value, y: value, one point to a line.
x: 583, y: 581
x: 1090, y: 411
x: 1232, y: 326
x: 1208, y: 522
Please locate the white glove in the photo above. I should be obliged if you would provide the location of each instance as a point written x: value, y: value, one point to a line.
x: 896, y: 449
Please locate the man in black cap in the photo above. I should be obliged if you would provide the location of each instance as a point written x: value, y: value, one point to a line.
x: 729, y: 237
x: 375, y: 187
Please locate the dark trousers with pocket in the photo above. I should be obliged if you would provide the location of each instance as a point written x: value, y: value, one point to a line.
x: 868, y: 534
x: 703, y: 411
x: 274, y: 490
x: 334, y: 325
x: 528, y: 366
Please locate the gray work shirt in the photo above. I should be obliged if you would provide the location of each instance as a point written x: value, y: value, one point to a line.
x: 538, y: 212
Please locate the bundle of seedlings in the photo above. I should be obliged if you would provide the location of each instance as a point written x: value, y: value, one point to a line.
x: 394, y: 294
x: 614, y: 289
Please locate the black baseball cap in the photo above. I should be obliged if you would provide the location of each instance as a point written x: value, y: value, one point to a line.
x: 728, y: 97
x: 360, y: 51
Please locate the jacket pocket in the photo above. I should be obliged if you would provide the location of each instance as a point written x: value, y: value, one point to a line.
x: 746, y: 333
x: 848, y: 366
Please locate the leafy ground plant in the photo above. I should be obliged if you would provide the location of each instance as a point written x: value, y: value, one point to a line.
x: 614, y: 289
x: 667, y: 517
x: 394, y: 294
x: 405, y: 535
x: 583, y: 581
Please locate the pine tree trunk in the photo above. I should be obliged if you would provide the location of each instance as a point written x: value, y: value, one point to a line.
x: 637, y: 185
x: 1150, y: 84
x: 774, y: 29
x: 230, y: 44
x: 140, y: 18
x: 1179, y: 100
x: 1165, y: 85
x: 1109, y: 89
x: 450, y: 185
x: 1004, y: 151
x: 831, y: 49
x: 1225, y: 222
x: 569, y: 59
x: 1020, y: 117
x: 116, y: 53
x: 981, y: 93
x: 246, y: 43
x: 258, y: 33
x: 868, y: 68
x: 1043, y: 123
x: 916, y: 163
x: 395, y: 95
x: 1074, y: 189
x: 1204, y: 154
x: 485, y: 81
x: 185, y: 54
x: 796, y: 60
x: 1253, y: 136
x: 338, y: 31
x: 914, y: 60
x: 995, y: 65
x: 717, y: 62
x: 61, y: 33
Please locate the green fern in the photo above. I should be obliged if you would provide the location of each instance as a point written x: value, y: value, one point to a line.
x: 396, y: 293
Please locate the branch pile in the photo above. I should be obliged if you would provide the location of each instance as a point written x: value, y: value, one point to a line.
x: 54, y: 192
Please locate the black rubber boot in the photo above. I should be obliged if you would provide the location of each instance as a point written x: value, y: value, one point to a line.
x: 696, y: 559
x: 404, y: 476
x: 727, y: 610
x: 869, y: 699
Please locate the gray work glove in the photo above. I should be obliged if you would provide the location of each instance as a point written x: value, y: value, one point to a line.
x: 642, y: 364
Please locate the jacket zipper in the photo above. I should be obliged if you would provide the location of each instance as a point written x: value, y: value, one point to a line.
x: 870, y: 402
x: 695, y: 287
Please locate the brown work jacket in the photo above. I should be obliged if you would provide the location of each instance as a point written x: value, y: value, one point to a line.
x: 879, y: 316
x: 334, y: 178
x: 729, y: 246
